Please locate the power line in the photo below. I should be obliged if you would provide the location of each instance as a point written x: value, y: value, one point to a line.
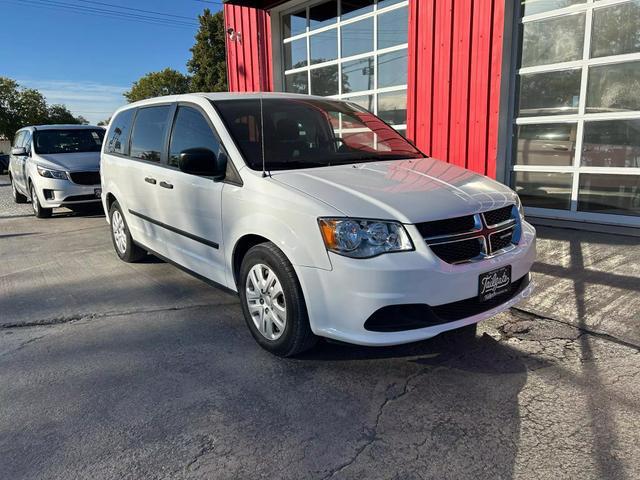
x: 209, y: 1
x: 136, y: 9
x: 93, y: 11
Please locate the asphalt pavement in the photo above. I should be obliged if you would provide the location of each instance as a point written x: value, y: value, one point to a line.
x: 114, y: 370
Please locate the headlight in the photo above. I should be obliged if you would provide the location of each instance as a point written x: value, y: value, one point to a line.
x: 46, y: 172
x: 520, y: 207
x: 359, y: 238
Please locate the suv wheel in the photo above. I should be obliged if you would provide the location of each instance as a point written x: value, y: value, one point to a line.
x: 273, y: 303
x: 38, y: 210
x: 121, y: 237
x: 17, y: 196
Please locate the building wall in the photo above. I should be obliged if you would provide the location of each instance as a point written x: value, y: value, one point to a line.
x: 249, y: 66
x: 455, y: 62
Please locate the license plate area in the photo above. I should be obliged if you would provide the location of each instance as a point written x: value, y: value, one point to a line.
x: 493, y: 283
x: 97, y: 192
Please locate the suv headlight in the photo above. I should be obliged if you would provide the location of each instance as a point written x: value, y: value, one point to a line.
x: 359, y: 238
x: 47, y: 172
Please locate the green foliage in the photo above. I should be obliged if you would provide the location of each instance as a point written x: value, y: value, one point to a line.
x: 208, y: 63
x: 20, y: 107
x: 156, y: 84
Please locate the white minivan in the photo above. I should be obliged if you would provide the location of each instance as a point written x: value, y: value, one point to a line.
x: 325, y: 220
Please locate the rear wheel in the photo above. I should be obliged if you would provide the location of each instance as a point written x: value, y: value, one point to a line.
x: 38, y: 210
x: 273, y: 303
x: 17, y: 196
x: 121, y: 237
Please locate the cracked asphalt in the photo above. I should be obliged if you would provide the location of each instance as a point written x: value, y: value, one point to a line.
x: 110, y: 370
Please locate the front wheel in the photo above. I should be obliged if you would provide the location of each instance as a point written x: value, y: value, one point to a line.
x: 121, y: 237
x: 38, y: 210
x: 273, y: 303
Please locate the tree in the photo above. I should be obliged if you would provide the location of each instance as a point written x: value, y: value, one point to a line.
x: 81, y: 120
x: 156, y: 84
x: 104, y: 123
x: 9, y: 121
x: 208, y: 63
x: 59, y: 114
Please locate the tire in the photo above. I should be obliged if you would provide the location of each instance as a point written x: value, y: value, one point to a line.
x: 38, y: 210
x: 268, y: 303
x: 17, y: 196
x: 121, y: 237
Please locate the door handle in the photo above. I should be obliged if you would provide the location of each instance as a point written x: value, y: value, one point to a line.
x: 150, y: 180
x: 166, y: 185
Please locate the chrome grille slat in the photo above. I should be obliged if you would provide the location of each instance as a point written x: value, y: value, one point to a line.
x: 456, y: 247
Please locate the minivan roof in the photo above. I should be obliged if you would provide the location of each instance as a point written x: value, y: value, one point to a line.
x: 218, y: 96
x: 59, y: 127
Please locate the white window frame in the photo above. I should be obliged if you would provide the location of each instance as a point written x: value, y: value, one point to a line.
x: 576, y: 169
x: 278, y: 43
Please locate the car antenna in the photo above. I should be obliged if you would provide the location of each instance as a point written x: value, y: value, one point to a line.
x: 264, y: 172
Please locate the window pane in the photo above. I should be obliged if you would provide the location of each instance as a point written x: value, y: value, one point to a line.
x: 546, y: 144
x: 550, y: 93
x: 118, y: 136
x: 148, y: 133
x: 529, y: 7
x: 357, y: 37
x: 324, y: 81
x: 392, y: 107
x: 357, y: 75
x: 392, y: 69
x: 324, y: 46
x: 612, y: 143
x: 553, y: 40
x: 386, y: 3
x: 544, y: 190
x: 295, y: 54
x: 294, y: 23
x: 353, y: 8
x: 617, y: 194
x: 323, y: 15
x: 297, y: 83
x: 191, y: 130
x: 614, y: 88
x: 365, y: 101
x: 616, y: 30
x: 393, y: 28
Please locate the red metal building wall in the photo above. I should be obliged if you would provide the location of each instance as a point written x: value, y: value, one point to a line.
x: 249, y: 66
x: 455, y: 69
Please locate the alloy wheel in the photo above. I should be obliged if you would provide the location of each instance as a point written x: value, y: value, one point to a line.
x: 266, y: 302
x: 119, y: 232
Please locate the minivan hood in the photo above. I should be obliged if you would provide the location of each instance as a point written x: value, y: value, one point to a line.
x: 410, y: 191
x: 71, y: 162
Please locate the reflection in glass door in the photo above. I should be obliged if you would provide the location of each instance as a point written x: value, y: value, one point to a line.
x: 577, y: 128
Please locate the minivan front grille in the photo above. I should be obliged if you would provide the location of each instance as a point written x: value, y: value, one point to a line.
x: 473, y: 237
x: 85, y: 178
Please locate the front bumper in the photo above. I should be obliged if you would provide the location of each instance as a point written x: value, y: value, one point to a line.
x: 339, y: 301
x: 53, y: 193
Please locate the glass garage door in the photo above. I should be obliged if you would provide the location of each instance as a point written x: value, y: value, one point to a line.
x: 350, y: 49
x: 577, y: 128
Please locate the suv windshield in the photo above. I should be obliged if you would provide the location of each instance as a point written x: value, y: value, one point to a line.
x: 68, y: 141
x: 306, y: 133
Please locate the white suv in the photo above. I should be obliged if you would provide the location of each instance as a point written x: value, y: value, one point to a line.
x: 325, y: 220
x: 56, y: 166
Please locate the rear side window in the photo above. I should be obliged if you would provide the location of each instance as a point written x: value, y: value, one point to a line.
x: 191, y: 130
x: 149, y: 131
x: 118, y: 136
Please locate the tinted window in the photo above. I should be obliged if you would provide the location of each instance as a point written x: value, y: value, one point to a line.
x: 68, y: 141
x: 149, y: 131
x: 191, y: 130
x: 118, y: 137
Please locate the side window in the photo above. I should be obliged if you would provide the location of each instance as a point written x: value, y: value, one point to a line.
x: 118, y: 136
x: 17, y: 141
x: 191, y: 130
x: 148, y: 133
x: 26, y: 141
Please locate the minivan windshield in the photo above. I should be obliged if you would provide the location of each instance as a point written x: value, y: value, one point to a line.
x: 307, y: 133
x: 68, y: 141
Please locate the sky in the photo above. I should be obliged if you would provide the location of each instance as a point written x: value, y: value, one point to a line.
x: 86, y: 53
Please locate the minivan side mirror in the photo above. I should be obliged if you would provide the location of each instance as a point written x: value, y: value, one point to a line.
x: 19, y: 152
x: 203, y: 162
